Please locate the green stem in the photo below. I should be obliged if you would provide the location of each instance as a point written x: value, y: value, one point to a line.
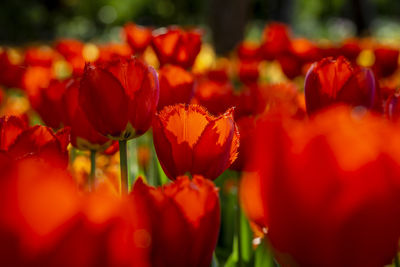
x: 92, y: 176
x: 124, y: 167
x: 238, y: 229
x: 396, y: 261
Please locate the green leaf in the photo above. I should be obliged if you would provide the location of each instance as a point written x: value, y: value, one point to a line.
x: 263, y: 256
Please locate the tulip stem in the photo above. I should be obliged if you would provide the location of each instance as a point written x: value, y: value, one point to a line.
x: 123, y: 158
x: 238, y: 229
x: 92, y: 176
x: 396, y: 261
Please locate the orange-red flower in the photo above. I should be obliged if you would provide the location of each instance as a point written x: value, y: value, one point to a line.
x: 176, y: 46
x: 47, y: 102
x: 188, y: 139
x: 43, y: 218
x: 40, y: 56
x: 138, y: 37
x: 120, y: 97
x: 20, y: 141
x: 386, y: 61
x: 331, y: 81
x: 330, y: 189
x: 176, y: 86
x: 276, y: 40
x: 185, y: 220
x: 113, y: 51
x: 216, y: 95
x: 10, y: 72
x: 72, y: 50
x: 83, y: 135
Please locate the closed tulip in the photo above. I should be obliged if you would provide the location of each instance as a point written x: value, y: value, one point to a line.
x: 120, y: 97
x: 176, y: 86
x: 188, y: 139
x: 331, y: 81
x: 184, y: 221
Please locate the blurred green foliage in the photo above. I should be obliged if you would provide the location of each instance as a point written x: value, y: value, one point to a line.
x: 24, y: 21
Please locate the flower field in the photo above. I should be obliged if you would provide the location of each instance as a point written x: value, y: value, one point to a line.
x: 156, y: 151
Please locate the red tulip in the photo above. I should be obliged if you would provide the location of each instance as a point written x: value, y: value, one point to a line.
x: 249, y: 51
x: 176, y: 46
x: 138, y: 37
x: 323, y: 205
x: 249, y: 71
x: 114, y: 51
x: 120, y: 97
x: 176, y: 86
x: 47, y: 102
x: 276, y: 40
x: 216, y: 96
x: 350, y: 49
x: 386, y: 61
x: 72, y: 50
x: 188, y: 139
x: 185, y: 220
x: 392, y: 107
x: 20, y: 141
x: 10, y: 72
x: 40, y: 56
x: 246, y: 126
x: 331, y: 81
x: 83, y: 135
x: 10, y: 128
x: 43, y: 218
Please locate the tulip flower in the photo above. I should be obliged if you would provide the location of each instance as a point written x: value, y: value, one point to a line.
x: 10, y: 71
x: 249, y: 51
x: 119, y: 99
x: 43, y: 218
x: 185, y: 219
x: 40, y: 56
x: 72, y: 50
x: 138, y: 37
x: 20, y: 141
x: 392, y: 107
x: 113, y: 51
x: 386, y: 61
x: 83, y: 135
x: 176, y: 46
x: 47, y: 102
x: 176, y: 86
x: 324, y: 206
x: 331, y: 81
x: 216, y: 96
x: 276, y: 40
x: 187, y: 139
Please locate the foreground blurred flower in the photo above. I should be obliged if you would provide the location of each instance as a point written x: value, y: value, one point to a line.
x: 331, y: 81
x: 20, y: 141
x: 176, y: 86
x: 188, y: 139
x: 323, y: 205
x: 138, y: 37
x: 185, y: 219
x: 120, y: 97
x: 43, y: 218
x: 176, y: 46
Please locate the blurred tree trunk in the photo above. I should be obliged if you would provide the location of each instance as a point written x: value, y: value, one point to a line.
x: 362, y: 15
x: 228, y: 19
